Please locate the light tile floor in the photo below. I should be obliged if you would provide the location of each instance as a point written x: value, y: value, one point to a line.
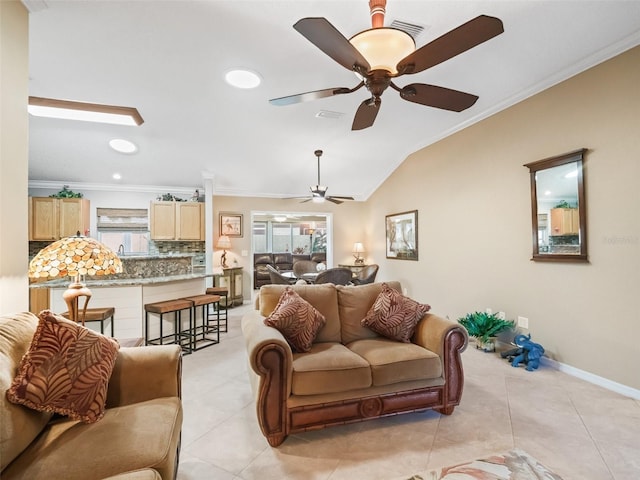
x: 577, y: 429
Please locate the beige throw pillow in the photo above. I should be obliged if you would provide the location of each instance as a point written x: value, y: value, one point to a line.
x: 297, y: 320
x: 66, y: 370
x: 394, y: 316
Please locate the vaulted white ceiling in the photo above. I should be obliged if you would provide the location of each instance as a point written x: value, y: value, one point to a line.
x: 168, y: 59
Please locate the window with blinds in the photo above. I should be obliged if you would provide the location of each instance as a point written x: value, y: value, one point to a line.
x: 124, y: 230
x: 123, y: 218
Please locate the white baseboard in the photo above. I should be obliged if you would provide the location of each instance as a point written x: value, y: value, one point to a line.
x: 591, y: 378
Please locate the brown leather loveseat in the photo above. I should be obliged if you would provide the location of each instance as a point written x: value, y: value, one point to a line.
x: 350, y: 373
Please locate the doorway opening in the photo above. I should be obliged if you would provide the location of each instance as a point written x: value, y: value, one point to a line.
x: 292, y: 232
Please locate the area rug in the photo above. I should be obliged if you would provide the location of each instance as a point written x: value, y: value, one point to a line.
x: 513, y: 465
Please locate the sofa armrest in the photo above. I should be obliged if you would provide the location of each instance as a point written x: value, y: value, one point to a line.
x: 448, y: 339
x: 271, y: 369
x: 432, y: 331
x: 145, y: 373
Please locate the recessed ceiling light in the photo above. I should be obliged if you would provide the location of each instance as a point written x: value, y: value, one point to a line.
x: 242, y: 78
x: 121, y: 145
x: 117, y: 176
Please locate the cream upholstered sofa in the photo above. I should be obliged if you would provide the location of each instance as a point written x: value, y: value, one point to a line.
x: 350, y: 373
x: 138, y: 437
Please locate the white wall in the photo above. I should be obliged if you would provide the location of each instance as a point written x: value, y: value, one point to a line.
x: 14, y: 75
x: 475, y: 229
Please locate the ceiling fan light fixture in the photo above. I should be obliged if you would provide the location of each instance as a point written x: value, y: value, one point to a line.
x: 384, y: 47
x: 87, y: 112
x: 242, y: 78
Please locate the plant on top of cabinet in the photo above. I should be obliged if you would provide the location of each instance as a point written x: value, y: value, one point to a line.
x: 66, y: 193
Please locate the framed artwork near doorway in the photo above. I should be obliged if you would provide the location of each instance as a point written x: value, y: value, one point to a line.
x: 402, y: 235
x: 231, y: 224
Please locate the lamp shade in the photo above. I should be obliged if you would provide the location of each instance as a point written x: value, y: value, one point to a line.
x: 224, y: 242
x: 74, y: 256
x: 358, y: 247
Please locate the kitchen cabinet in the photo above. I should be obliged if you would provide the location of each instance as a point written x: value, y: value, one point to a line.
x: 53, y: 218
x: 232, y: 279
x: 177, y: 220
x: 38, y: 300
x: 564, y: 221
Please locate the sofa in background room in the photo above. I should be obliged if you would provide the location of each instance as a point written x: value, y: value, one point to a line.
x: 283, y: 262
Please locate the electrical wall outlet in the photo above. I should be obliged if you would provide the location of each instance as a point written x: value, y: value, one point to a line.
x: 245, y: 253
x: 502, y: 316
x: 489, y: 311
x: 523, y: 322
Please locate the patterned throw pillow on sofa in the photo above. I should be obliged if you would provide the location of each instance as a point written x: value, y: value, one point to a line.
x: 393, y: 315
x: 297, y: 320
x: 66, y: 370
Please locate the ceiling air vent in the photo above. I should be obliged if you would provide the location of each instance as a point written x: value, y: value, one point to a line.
x: 411, y: 28
x: 329, y: 114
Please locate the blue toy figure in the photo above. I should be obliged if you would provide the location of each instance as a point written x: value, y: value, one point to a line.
x: 528, y: 352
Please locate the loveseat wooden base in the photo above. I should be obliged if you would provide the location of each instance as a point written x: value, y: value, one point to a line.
x: 313, y: 417
x: 316, y: 417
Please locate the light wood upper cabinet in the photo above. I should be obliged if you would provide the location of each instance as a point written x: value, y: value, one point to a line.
x: 54, y: 218
x: 177, y: 220
x: 564, y: 221
x: 190, y: 221
x: 163, y: 220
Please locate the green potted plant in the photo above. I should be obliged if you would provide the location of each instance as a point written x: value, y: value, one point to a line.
x: 484, y: 327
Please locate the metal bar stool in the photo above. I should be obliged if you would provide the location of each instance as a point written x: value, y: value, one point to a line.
x: 178, y: 336
x: 205, y: 330
x: 221, y: 311
x: 98, y: 315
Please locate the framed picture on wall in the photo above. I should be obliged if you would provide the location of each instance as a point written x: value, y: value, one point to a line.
x: 231, y: 224
x: 402, y: 235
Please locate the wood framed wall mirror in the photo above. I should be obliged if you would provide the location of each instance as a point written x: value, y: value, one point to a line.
x: 558, y: 208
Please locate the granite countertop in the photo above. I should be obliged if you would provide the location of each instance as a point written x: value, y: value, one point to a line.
x: 155, y: 257
x: 123, y: 282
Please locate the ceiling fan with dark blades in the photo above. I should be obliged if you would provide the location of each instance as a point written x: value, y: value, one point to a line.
x: 368, y: 54
x: 319, y: 192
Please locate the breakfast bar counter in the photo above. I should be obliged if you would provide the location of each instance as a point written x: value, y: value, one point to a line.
x: 128, y: 296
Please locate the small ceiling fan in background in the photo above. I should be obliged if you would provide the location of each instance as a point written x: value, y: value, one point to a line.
x: 380, y: 54
x: 319, y: 192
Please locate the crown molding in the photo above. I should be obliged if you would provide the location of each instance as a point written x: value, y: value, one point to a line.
x: 104, y: 187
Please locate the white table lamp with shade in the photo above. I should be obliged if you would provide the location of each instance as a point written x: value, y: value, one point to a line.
x: 358, y: 248
x: 224, y: 243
